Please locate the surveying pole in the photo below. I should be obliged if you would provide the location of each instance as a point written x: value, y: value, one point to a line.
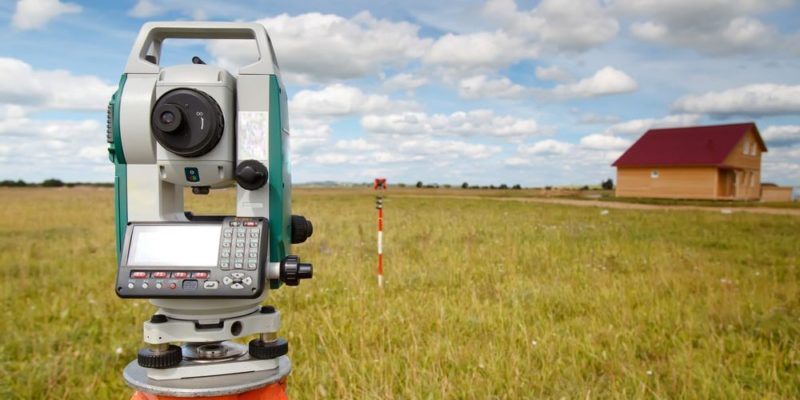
x: 380, y: 184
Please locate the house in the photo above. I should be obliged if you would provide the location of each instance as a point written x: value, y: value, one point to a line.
x: 703, y: 162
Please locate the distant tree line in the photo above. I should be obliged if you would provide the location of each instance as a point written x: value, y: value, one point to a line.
x: 52, y: 182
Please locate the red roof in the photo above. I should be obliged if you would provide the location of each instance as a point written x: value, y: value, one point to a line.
x: 697, y: 145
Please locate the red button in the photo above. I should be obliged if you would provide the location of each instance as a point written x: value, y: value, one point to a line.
x: 172, y: 285
x: 159, y: 274
x: 249, y: 223
x: 180, y: 275
x: 139, y: 274
x: 200, y: 275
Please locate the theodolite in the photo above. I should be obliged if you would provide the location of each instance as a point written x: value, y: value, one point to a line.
x: 197, y: 126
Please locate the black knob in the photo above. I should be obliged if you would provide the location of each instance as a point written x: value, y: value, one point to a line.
x: 267, y: 350
x: 160, y: 359
x: 251, y: 174
x: 302, y: 229
x: 292, y: 271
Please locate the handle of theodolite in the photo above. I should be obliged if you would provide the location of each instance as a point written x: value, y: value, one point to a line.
x: 152, y: 35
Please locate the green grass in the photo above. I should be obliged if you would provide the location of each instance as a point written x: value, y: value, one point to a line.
x: 483, y: 299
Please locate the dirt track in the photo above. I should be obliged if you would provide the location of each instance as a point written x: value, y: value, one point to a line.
x: 633, y: 206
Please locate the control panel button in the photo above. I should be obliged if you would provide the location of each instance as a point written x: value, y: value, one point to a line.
x: 249, y: 223
x: 226, y: 244
x: 226, y: 253
x: 180, y: 275
x: 138, y: 274
x: 131, y: 285
x: 210, y: 285
x: 200, y: 275
x: 237, y: 286
x: 239, y: 254
x: 189, y: 284
x: 160, y: 274
x: 173, y: 285
x: 145, y: 285
x: 253, y: 244
x: 224, y: 265
x: 235, y: 223
x: 251, y: 266
x: 240, y: 245
x: 237, y: 275
x: 158, y: 285
x: 227, y: 280
x: 254, y: 233
x: 247, y: 281
x: 238, y: 265
x: 239, y: 233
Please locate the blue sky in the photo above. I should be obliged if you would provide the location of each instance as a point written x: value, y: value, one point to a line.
x: 488, y: 92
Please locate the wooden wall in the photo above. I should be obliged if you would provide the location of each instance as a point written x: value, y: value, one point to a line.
x: 776, y: 193
x: 747, y: 166
x: 672, y: 182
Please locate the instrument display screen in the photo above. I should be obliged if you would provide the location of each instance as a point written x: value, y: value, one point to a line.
x: 195, y: 245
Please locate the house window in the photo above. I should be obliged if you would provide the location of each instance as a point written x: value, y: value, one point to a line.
x: 752, y: 179
x: 753, y: 150
x: 746, y: 148
x: 654, y: 174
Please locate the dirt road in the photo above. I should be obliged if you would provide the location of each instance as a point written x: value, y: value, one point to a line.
x: 795, y: 212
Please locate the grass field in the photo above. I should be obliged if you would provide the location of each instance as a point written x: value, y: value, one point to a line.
x: 484, y: 299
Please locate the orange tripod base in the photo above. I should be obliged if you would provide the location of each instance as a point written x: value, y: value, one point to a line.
x: 275, y: 391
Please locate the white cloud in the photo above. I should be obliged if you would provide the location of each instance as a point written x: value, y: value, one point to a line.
x: 404, y: 81
x: 36, y: 14
x: 481, y: 86
x: 607, y: 80
x: 640, y: 126
x: 553, y: 73
x: 481, y: 51
x: 604, y: 142
x: 339, y: 100
x: 320, y: 47
x: 475, y: 122
x: 710, y: 26
x: 146, y: 9
x: 418, y: 149
x: 22, y: 85
x: 752, y: 101
x: 312, y: 112
x: 572, y: 25
x: 546, y: 147
x: 781, y: 135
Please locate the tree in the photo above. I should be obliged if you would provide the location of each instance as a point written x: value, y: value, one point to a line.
x: 503, y: 186
x: 607, y: 185
x: 516, y: 187
x: 52, y: 182
x: 419, y: 184
x: 465, y: 185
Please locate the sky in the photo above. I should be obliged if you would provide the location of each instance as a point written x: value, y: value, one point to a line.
x: 484, y: 92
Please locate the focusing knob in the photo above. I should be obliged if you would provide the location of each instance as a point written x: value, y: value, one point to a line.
x: 292, y: 270
x: 267, y: 350
x: 302, y: 229
x: 251, y: 174
x: 168, y: 358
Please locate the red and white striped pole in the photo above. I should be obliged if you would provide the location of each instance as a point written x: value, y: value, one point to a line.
x: 380, y: 184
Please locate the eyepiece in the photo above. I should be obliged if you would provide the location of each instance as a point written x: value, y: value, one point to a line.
x: 167, y: 117
x: 187, y: 122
